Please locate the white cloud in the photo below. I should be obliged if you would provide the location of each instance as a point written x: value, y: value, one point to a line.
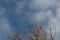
x: 49, y: 13
x: 58, y: 4
x: 2, y: 10
x: 53, y: 3
x: 43, y: 4
x: 4, y: 24
x: 40, y: 16
x: 58, y: 13
x: 53, y: 20
x: 54, y: 24
x: 20, y: 6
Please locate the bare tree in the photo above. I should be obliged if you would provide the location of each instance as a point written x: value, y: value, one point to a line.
x: 52, y: 36
x: 40, y: 34
x: 37, y: 34
x: 15, y: 36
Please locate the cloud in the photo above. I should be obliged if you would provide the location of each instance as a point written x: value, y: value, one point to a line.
x: 20, y: 6
x: 2, y: 11
x: 42, y: 4
x: 58, y: 13
x: 42, y: 14
x: 58, y: 18
x: 4, y: 24
x: 43, y: 11
x: 58, y: 4
x: 39, y: 4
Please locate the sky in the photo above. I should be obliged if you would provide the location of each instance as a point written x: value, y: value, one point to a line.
x: 21, y: 15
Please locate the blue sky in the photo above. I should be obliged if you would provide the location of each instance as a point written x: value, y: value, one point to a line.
x: 21, y: 15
